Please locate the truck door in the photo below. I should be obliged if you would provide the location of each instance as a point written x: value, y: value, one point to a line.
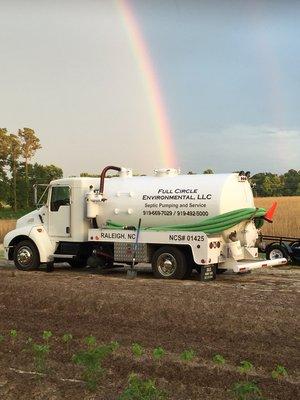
x: 60, y: 211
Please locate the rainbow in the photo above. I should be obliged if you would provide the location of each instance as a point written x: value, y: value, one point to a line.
x: 150, y: 80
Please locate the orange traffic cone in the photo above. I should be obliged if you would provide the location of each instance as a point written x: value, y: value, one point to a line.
x: 270, y: 213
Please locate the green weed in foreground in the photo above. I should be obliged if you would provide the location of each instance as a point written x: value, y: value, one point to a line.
x: 218, y: 359
x: 279, y: 372
x: 13, y: 334
x: 47, y: 335
x: 137, y: 349
x: 245, y: 367
x: 90, y: 341
x: 28, y: 344
x: 114, y: 345
x: 40, y: 353
x: 67, y: 337
x: 187, y: 355
x: 246, y: 391
x: 91, y: 360
x: 2, y: 338
x: 158, y: 353
x: 139, y: 389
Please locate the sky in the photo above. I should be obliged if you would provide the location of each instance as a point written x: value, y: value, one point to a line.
x: 227, y: 72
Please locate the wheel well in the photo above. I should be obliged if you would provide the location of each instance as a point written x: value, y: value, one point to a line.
x: 15, y: 241
x: 273, y: 244
x: 278, y: 244
x: 186, y: 249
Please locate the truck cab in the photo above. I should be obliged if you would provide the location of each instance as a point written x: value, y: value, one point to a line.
x: 58, y: 224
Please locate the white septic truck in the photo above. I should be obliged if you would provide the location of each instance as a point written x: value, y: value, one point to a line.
x: 175, y: 222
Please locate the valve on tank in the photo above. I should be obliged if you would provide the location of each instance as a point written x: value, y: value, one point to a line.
x: 93, y: 199
x: 244, y: 176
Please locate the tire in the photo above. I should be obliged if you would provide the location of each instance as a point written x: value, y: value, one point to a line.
x: 190, y: 263
x: 198, y: 268
x: 189, y: 270
x: 26, y: 256
x: 169, y: 262
x: 77, y: 262
x: 275, y: 251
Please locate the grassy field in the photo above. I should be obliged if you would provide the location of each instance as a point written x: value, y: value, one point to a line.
x: 8, y: 213
x: 286, y: 218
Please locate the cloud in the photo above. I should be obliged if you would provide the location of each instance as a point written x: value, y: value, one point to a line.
x: 262, y: 131
x: 286, y: 134
x: 256, y: 148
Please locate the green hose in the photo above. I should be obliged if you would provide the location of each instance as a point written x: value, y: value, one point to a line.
x: 211, y: 225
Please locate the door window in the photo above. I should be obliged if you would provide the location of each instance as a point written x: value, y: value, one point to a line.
x: 60, y: 196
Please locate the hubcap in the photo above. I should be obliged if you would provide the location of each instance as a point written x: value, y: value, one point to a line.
x: 166, y: 264
x: 276, y: 253
x: 24, y: 256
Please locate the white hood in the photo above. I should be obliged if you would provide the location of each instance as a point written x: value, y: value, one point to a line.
x: 31, y: 218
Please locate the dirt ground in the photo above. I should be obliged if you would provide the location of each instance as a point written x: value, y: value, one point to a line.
x: 250, y: 317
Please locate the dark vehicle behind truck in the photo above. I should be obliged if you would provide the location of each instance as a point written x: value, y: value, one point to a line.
x: 281, y: 246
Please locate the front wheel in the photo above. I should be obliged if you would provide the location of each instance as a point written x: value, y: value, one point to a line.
x: 169, y: 262
x: 26, y: 256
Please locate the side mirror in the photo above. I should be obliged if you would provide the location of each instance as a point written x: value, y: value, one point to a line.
x: 35, y: 195
x: 36, y: 200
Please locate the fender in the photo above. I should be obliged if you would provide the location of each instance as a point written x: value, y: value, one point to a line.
x: 38, y: 235
x: 46, y: 248
x: 10, y: 236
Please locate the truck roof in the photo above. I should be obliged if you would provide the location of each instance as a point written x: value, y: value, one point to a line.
x: 77, y: 181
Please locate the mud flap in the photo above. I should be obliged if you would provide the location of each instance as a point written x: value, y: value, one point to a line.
x: 208, y: 273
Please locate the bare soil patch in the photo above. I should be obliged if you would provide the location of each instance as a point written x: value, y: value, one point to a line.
x: 246, y: 317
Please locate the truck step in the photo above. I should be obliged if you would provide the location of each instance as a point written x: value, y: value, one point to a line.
x: 63, y: 255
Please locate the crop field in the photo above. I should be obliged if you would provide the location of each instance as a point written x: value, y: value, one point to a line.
x: 75, y: 335
x: 287, y: 216
x: 6, y: 225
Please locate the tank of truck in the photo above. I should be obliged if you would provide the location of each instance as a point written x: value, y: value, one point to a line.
x: 169, y: 198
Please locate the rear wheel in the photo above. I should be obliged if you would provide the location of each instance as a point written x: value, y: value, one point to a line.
x: 169, y: 262
x: 198, y: 268
x: 26, y: 256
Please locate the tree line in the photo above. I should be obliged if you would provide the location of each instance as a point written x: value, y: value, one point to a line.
x: 17, y: 174
x: 267, y: 184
